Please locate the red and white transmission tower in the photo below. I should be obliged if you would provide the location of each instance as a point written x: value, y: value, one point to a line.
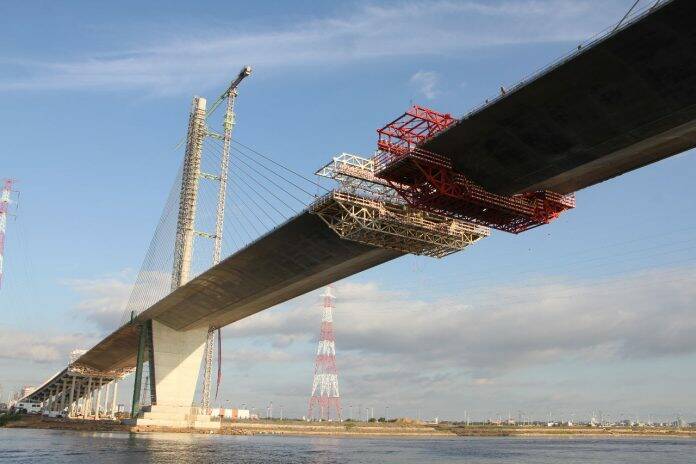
x: 325, y: 402
x: 4, y: 207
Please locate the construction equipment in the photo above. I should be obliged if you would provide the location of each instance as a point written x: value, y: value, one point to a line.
x: 367, y: 209
x: 430, y: 182
x: 230, y: 96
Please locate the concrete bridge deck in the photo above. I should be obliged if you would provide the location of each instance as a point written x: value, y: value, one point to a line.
x: 299, y: 256
x: 626, y: 101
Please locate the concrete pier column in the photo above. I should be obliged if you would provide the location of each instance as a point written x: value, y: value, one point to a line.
x: 113, y: 400
x: 76, y: 405
x: 178, y: 356
x: 87, y: 403
x: 63, y: 392
x: 106, y: 398
x: 79, y: 399
x: 54, y: 400
x: 82, y: 399
x: 47, y: 403
x: 97, y: 402
x: 47, y: 406
x: 71, y: 407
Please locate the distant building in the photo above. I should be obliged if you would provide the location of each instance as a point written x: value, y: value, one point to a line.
x: 231, y: 413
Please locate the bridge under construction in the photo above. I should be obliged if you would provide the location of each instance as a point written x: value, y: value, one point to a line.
x: 434, y: 186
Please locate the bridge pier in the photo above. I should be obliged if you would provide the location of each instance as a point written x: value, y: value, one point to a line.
x: 174, y: 359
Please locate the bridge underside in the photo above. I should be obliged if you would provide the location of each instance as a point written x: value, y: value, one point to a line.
x: 299, y: 256
x: 627, y: 101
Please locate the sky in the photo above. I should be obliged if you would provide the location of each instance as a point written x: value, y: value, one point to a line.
x: 594, y: 312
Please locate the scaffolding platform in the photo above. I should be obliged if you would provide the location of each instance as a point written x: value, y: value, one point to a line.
x: 394, y: 226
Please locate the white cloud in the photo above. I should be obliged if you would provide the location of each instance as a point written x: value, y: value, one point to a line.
x: 102, y: 299
x: 637, y: 316
x: 359, y: 34
x: 427, y: 83
x: 517, y: 346
x: 40, y: 346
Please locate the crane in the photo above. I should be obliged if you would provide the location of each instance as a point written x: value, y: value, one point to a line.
x: 229, y: 96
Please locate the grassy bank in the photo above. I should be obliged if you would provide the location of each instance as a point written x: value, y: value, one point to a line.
x: 286, y: 427
x: 373, y: 429
x: 6, y: 417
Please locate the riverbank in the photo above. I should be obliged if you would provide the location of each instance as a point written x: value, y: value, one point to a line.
x: 355, y: 429
x: 540, y: 431
x: 287, y: 427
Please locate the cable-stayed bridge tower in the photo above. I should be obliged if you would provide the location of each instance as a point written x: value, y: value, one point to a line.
x: 325, y: 401
x: 174, y: 356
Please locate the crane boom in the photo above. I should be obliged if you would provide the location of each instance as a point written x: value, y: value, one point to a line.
x: 229, y: 96
x: 246, y: 71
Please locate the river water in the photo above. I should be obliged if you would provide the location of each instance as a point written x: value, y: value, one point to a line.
x: 24, y: 445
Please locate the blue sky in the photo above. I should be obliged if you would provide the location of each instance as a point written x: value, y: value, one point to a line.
x: 592, y: 312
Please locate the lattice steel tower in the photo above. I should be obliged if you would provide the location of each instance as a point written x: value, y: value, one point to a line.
x: 325, y: 401
x: 4, y: 207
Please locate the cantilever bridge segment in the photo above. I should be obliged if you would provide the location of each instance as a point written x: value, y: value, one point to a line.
x: 620, y: 102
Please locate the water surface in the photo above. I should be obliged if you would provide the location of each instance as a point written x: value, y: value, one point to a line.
x: 62, y: 447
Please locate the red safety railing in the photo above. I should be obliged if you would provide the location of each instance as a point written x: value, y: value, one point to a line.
x: 412, y: 128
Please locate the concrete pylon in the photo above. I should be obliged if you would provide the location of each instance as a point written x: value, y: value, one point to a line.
x: 183, y: 248
x: 175, y: 356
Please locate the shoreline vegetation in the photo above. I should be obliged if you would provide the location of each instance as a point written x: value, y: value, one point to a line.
x: 356, y: 429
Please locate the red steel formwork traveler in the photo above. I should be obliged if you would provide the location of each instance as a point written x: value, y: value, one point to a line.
x: 430, y: 182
